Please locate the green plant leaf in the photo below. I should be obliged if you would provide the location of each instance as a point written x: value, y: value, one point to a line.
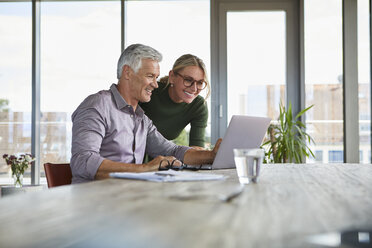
x: 303, y: 111
x: 290, y: 137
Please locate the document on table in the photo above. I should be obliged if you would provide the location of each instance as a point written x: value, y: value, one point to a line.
x: 168, y: 176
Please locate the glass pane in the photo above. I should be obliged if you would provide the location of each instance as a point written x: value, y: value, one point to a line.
x: 15, y: 83
x: 80, y: 48
x: 256, y: 62
x: 335, y: 156
x: 323, y: 77
x: 364, y: 81
x: 180, y: 27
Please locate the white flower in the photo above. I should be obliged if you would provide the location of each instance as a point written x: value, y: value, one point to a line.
x: 28, y: 158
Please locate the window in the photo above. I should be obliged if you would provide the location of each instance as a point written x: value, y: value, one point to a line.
x: 256, y: 75
x: 173, y: 28
x: 364, y: 78
x: 15, y: 82
x: 336, y: 156
x: 323, y: 74
x: 360, y: 156
x: 80, y: 47
x: 318, y: 156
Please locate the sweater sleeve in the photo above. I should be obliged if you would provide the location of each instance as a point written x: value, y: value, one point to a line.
x: 198, y: 125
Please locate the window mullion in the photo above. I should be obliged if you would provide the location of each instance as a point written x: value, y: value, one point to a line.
x: 35, y: 122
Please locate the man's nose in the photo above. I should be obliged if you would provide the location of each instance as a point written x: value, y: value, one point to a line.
x: 155, y: 84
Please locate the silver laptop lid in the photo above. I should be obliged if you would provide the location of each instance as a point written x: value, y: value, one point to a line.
x: 243, y: 132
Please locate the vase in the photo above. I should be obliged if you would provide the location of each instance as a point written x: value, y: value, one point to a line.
x: 18, y: 180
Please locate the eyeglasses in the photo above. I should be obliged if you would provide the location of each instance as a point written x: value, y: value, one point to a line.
x: 176, y: 165
x: 189, y: 81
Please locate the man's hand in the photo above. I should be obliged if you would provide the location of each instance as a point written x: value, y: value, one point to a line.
x: 155, y: 163
x: 217, y: 146
x: 192, y: 157
x: 198, y: 148
x: 108, y: 166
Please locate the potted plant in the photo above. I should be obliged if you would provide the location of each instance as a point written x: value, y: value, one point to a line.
x: 18, y: 165
x: 288, y: 138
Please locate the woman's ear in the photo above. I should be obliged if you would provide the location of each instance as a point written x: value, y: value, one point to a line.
x: 171, y: 75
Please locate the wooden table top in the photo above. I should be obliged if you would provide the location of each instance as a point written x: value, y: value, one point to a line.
x: 289, y: 203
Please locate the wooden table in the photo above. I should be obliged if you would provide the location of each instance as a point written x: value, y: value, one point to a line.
x: 289, y: 203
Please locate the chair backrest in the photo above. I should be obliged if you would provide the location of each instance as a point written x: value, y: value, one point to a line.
x: 57, y: 174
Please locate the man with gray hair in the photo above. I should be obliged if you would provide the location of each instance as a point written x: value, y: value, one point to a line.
x: 111, y: 133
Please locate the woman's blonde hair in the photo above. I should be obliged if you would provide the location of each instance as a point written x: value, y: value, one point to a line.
x: 185, y: 61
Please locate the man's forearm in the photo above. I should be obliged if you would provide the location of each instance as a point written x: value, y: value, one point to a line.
x: 108, y: 166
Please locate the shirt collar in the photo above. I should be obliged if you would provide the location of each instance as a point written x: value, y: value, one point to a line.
x: 120, y: 101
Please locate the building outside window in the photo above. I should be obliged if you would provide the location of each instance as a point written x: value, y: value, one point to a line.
x: 318, y: 156
x: 336, y: 156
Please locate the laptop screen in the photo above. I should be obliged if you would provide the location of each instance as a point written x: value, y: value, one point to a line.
x: 243, y: 132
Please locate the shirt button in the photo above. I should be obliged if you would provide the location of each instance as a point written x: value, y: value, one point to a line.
x: 131, y: 116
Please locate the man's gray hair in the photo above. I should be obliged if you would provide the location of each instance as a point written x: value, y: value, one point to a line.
x: 133, y: 55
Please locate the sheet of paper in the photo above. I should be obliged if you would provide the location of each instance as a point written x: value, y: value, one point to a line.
x: 168, y: 176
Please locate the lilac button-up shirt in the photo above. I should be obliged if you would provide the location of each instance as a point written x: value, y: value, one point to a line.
x: 106, y: 127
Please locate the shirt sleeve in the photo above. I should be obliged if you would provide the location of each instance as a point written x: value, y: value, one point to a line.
x: 88, y: 131
x: 157, y: 145
x: 198, y: 125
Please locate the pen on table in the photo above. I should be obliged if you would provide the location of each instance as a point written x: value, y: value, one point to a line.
x: 164, y: 174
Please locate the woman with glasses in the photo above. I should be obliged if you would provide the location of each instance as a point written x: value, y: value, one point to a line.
x: 177, y: 103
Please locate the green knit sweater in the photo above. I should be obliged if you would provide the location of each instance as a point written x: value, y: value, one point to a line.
x: 171, y: 118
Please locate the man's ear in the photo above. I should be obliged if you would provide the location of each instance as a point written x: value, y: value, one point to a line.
x: 126, y: 72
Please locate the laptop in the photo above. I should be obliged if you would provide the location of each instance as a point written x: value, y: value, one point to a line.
x: 242, y: 132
